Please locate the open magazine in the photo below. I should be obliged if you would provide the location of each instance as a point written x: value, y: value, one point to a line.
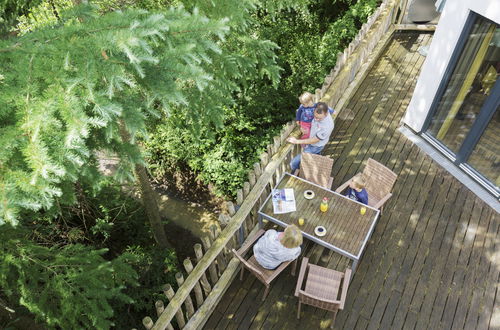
x: 283, y: 201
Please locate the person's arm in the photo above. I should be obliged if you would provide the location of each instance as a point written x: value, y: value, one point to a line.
x: 299, y: 114
x: 290, y: 254
x: 311, y: 140
x: 364, y: 197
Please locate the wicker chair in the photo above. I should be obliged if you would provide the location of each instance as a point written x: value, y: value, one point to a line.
x: 316, y: 168
x: 379, y: 183
x: 324, y: 288
x: 264, y: 275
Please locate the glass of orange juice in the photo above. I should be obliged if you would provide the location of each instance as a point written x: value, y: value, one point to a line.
x: 301, y: 221
x: 362, y: 210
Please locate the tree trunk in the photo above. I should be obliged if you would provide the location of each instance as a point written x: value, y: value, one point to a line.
x: 151, y: 207
x: 148, y: 199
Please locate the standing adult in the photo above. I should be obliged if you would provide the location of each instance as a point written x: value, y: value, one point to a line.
x: 321, y: 129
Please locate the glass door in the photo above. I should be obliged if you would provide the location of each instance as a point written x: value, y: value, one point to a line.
x: 485, y: 157
x: 465, y: 119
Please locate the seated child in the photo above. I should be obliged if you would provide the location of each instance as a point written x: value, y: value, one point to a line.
x: 274, y: 247
x: 357, y: 191
x: 305, y: 113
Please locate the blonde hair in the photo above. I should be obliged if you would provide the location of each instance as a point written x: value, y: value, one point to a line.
x: 359, y: 181
x: 306, y: 98
x: 292, y: 237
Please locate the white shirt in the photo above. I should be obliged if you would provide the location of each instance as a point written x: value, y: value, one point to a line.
x: 270, y: 253
x: 322, y: 130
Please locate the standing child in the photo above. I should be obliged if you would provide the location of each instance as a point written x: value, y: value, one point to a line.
x: 357, y: 191
x: 305, y: 113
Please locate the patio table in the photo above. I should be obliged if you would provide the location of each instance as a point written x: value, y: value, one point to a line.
x: 347, y: 230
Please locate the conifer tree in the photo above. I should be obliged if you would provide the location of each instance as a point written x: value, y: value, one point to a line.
x: 67, y: 90
x: 70, y: 287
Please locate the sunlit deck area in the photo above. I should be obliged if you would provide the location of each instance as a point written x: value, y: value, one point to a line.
x: 432, y: 261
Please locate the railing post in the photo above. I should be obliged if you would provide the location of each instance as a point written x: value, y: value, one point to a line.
x: 246, y: 189
x: 277, y: 144
x: 230, y: 208
x: 251, y: 178
x: 211, y: 269
x: 160, y: 307
x: 239, y: 197
x: 214, y: 233
x: 224, y: 219
x: 188, y: 302
x: 147, y: 322
x: 203, y: 280
x: 179, y: 316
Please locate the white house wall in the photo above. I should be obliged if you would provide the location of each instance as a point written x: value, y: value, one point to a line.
x: 448, y: 31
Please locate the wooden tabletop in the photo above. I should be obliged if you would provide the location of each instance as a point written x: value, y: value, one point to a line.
x: 346, y: 228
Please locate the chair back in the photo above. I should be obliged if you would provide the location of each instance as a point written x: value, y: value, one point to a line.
x: 316, y: 168
x: 319, y: 303
x: 324, y: 288
x: 379, y: 180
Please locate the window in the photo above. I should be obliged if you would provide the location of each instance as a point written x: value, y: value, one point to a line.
x: 465, y: 119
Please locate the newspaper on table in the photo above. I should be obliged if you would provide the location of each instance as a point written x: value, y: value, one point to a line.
x: 283, y: 201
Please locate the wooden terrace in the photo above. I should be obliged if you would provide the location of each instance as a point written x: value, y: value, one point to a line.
x: 433, y: 261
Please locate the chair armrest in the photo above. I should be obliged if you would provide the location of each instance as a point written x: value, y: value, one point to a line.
x: 302, y: 272
x: 344, y: 186
x: 330, y: 182
x: 249, y: 242
x: 345, y: 286
x: 245, y: 263
x: 311, y: 296
x: 382, y: 201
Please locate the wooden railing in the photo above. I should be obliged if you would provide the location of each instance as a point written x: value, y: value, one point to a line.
x: 207, y: 282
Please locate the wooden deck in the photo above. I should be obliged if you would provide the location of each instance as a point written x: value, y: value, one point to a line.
x: 433, y: 261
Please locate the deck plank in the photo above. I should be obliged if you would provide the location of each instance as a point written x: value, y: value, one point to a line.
x: 432, y: 261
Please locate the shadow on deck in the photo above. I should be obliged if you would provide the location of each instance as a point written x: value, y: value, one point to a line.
x: 433, y: 260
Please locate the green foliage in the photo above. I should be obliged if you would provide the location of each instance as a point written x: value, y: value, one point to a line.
x: 219, y: 156
x: 309, y: 36
x: 43, y: 15
x: 10, y: 10
x: 343, y: 30
x: 68, y: 96
x: 155, y: 267
x: 108, y: 221
x: 67, y: 287
x: 48, y: 13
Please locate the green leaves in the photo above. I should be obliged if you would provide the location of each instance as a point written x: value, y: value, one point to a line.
x: 65, y: 286
x: 257, y: 95
x: 70, y: 85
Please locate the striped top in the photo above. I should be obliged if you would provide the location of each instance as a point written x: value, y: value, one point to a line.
x: 270, y: 253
